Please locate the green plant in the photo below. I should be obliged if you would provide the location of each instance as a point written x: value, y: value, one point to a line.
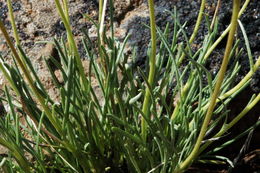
x: 136, y: 123
x: 152, y: 62
x: 214, y: 96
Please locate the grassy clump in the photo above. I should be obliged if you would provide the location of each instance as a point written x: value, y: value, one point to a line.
x: 121, y: 131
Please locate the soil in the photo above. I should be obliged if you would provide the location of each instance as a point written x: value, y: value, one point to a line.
x: 38, y: 21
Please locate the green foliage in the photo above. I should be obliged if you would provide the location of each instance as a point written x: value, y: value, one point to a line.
x: 89, y: 132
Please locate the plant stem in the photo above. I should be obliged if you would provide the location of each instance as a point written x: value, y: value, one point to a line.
x: 102, y: 21
x: 198, y: 21
x: 240, y: 84
x: 100, y: 3
x: 195, y: 151
x: 226, y: 127
x: 102, y: 13
x: 66, y: 9
x: 147, y: 97
x: 196, y: 29
x: 215, y: 14
x: 11, y: 15
x: 223, y: 35
x: 241, y: 115
x: 73, y: 45
x: 14, y: 28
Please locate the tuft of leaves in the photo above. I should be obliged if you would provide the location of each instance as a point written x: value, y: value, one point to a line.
x: 99, y: 128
